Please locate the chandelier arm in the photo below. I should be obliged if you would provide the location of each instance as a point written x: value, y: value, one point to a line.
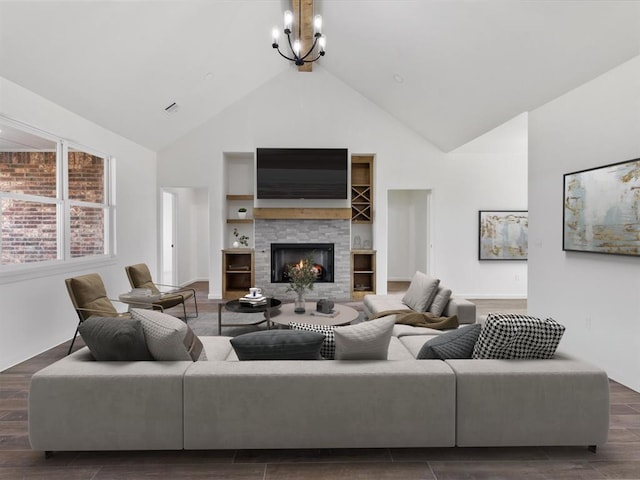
x: 295, y: 57
x: 315, y: 40
x: 284, y: 56
x: 315, y: 59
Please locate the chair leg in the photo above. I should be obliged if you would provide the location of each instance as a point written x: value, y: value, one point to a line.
x: 195, y: 301
x: 74, y: 339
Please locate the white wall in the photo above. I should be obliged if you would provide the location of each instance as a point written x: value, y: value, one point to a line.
x: 36, y: 314
x: 596, y: 296
x: 407, y: 234
x: 318, y: 110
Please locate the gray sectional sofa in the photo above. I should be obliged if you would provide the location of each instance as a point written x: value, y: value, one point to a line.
x: 375, y: 304
x: 80, y: 404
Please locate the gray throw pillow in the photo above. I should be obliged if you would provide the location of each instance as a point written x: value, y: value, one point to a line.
x: 512, y: 336
x: 278, y: 345
x: 114, y: 339
x: 422, y: 290
x: 364, y: 341
x: 169, y: 338
x: 457, y: 343
x: 440, y: 301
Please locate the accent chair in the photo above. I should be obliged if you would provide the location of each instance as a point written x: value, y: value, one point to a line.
x: 89, y: 297
x: 140, y: 277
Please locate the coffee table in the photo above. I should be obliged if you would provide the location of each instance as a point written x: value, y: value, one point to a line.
x: 238, y: 306
x: 345, y: 315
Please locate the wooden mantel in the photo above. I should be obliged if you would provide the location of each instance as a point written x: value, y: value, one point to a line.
x: 302, y: 213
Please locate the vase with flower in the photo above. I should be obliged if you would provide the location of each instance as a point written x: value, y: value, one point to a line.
x: 241, y: 240
x: 301, y: 275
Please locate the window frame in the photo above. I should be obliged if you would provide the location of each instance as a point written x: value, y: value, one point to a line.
x: 64, y: 262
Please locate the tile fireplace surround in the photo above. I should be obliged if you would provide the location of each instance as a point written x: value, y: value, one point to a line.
x: 337, y: 232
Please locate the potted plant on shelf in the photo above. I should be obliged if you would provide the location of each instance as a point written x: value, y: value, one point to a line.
x: 301, y: 275
x: 242, y: 212
x: 241, y: 240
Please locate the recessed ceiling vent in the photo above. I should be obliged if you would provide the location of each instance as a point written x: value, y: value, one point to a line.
x: 173, y: 108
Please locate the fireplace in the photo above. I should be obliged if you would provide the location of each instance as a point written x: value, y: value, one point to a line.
x: 285, y: 254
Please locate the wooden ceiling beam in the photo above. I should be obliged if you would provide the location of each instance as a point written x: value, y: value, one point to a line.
x: 303, y: 25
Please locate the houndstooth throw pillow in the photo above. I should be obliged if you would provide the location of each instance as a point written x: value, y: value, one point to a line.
x: 328, y: 349
x: 510, y: 336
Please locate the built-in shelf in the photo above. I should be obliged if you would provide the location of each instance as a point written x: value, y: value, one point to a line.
x: 237, y: 272
x: 239, y: 220
x: 363, y: 273
x: 239, y: 197
x: 361, y: 188
x: 302, y: 213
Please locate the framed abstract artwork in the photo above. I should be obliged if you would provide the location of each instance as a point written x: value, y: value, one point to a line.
x: 504, y: 235
x: 601, y: 212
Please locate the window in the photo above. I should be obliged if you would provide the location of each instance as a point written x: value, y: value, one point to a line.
x: 54, y: 199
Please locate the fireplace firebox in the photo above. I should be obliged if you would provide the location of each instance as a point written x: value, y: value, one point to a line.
x: 285, y: 254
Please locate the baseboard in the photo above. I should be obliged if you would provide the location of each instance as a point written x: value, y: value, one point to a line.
x: 496, y: 296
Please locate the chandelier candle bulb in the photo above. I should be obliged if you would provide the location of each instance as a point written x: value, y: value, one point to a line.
x: 275, y: 33
x: 296, y: 47
x: 288, y: 21
x: 322, y: 43
x: 317, y: 25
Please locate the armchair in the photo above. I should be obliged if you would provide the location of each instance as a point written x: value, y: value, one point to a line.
x: 89, y: 297
x: 140, y: 277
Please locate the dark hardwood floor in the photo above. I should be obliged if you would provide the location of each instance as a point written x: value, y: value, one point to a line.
x: 618, y: 459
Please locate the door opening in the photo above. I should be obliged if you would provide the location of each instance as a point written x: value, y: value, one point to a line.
x: 169, y: 221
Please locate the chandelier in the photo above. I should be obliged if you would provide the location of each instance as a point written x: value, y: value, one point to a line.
x: 295, y: 45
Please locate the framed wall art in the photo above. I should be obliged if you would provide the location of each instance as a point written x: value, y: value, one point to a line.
x: 601, y: 212
x: 504, y: 234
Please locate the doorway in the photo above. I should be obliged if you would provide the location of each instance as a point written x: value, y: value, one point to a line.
x: 169, y: 238
x: 408, y: 233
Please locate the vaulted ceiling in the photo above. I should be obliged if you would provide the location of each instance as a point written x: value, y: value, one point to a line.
x: 449, y: 70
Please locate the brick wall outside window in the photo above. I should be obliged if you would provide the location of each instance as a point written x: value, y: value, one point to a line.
x: 29, y: 229
x: 31, y: 173
x: 86, y: 177
x: 86, y: 184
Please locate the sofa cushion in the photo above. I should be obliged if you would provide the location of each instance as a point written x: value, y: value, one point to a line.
x: 510, y: 336
x: 457, y: 343
x: 218, y: 348
x: 169, y: 338
x: 328, y: 348
x: 114, y: 339
x: 421, y: 292
x: 440, y: 301
x: 364, y: 341
x: 278, y: 345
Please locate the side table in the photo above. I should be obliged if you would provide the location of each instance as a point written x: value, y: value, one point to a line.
x: 141, y: 301
x: 239, y: 307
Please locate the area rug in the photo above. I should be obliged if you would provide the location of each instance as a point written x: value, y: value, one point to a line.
x: 206, y: 324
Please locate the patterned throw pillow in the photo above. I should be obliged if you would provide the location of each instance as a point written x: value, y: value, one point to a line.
x: 510, y: 336
x: 169, y: 338
x: 457, y: 343
x: 328, y: 349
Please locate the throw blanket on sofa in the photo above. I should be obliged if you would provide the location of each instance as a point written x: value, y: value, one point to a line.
x: 417, y: 319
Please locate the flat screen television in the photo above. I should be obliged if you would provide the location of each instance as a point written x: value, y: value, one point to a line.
x: 301, y: 173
